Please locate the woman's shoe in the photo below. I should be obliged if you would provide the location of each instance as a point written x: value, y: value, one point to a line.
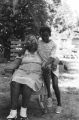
x: 12, y: 118
x: 12, y: 115
x: 24, y: 118
x: 59, y: 110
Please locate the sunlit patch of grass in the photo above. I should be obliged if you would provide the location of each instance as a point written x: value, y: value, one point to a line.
x: 68, y: 117
x: 77, y: 99
x: 72, y: 90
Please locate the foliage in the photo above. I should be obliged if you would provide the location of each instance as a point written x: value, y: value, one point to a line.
x: 61, y: 17
x: 37, y: 9
x: 21, y: 17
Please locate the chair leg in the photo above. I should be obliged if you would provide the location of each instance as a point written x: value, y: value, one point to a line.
x: 42, y: 103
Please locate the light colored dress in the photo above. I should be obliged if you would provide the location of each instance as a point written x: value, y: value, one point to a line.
x: 47, y: 50
x: 29, y: 72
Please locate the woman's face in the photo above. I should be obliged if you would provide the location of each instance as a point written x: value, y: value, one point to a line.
x: 32, y: 44
x: 45, y: 36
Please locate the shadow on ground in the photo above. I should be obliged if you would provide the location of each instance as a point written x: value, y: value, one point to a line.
x: 69, y: 98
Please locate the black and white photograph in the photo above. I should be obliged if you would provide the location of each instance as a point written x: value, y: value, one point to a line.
x: 39, y: 60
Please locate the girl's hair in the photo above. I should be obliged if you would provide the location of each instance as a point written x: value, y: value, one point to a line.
x: 31, y: 43
x: 43, y: 29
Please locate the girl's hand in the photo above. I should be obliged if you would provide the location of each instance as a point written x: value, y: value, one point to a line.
x: 43, y: 64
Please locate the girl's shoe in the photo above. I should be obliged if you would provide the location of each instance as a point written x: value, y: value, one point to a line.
x: 24, y: 118
x: 59, y: 110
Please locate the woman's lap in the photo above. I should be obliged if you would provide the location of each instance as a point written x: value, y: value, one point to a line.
x: 33, y: 80
x: 15, y: 85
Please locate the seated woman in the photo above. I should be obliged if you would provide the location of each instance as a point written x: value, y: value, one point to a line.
x: 27, y: 78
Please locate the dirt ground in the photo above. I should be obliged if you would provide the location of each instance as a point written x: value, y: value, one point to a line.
x: 69, y: 98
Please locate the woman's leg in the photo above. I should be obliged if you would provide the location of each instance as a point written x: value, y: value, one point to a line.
x: 26, y: 94
x: 15, y: 90
x: 56, y: 88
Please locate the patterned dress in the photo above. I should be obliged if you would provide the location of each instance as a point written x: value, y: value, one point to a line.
x: 29, y: 72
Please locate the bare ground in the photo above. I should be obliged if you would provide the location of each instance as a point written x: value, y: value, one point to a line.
x: 69, y: 97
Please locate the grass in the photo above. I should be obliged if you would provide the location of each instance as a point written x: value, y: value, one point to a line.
x: 69, y: 98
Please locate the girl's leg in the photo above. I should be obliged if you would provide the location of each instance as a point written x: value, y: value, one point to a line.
x: 26, y: 94
x: 57, y: 92
x: 46, y: 77
x: 56, y: 88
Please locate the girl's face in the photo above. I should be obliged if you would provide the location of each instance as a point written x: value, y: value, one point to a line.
x: 45, y: 36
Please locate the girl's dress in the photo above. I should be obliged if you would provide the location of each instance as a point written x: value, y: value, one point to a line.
x: 47, y: 50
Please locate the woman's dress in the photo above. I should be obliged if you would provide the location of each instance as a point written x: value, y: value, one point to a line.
x: 29, y: 72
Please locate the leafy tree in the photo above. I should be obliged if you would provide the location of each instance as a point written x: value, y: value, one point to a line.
x: 22, y: 16
x: 37, y: 10
x: 61, y: 17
